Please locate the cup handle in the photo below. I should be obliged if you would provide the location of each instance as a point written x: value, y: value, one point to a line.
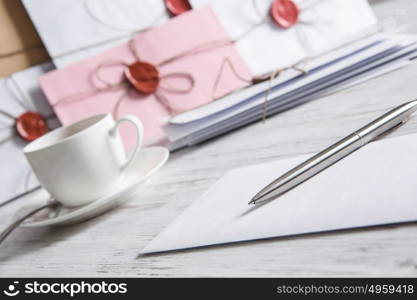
x: 139, y: 136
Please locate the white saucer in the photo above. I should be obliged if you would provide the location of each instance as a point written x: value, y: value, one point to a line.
x: 147, y: 163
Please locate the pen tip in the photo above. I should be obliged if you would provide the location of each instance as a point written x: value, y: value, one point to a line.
x: 253, y: 201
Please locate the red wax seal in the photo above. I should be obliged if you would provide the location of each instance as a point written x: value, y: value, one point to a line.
x: 30, y: 126
x: 177, y: 7
x: 143, y: 76
x: 284, y: 13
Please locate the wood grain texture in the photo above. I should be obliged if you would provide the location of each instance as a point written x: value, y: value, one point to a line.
x: 109, y: 245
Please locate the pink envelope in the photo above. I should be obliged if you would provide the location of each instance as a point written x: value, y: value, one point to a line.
x: 183, y: 33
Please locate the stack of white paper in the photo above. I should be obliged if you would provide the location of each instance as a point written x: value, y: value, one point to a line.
x: 373, y: 186
x: 361, y: 60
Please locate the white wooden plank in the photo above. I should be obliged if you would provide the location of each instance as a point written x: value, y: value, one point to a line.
x: 109, y: 245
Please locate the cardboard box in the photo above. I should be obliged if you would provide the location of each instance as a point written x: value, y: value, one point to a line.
x: 20, y: 45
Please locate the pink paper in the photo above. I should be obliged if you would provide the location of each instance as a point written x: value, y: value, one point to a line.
x: 178, y: 35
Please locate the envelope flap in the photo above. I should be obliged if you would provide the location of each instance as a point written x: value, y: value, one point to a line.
x: 375, y: 185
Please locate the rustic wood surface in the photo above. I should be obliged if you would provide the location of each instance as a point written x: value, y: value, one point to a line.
x: 109, y: 245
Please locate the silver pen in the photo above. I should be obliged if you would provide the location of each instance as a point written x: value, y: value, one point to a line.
x: 335, y: 152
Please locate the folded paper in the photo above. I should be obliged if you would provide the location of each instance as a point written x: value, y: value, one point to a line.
x: 373, y: 186
x: 178, y: 36
x: 322, y: 25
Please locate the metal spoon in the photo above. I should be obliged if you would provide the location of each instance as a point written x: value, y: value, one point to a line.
x: 52, y: 203
x: 19, y: 196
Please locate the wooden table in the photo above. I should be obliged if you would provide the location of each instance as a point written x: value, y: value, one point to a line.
x: 109, y: 245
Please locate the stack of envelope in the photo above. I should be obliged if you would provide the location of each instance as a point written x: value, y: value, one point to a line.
x: 170, y: 40
x: 338, y: 45
x: 336, y: 70
x: 332, y: 45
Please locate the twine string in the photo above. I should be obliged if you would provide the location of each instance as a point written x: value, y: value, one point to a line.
x: 164, y: 85
x: 303, y: 42
x: 264, y: 18
x: 274, y: 75
x: 226, y: 62
x: 204, y: 47
x: 8, y: 138
x: 257, y: 9
x: 96, y: 74
x: 18, y: 94
x: 8, y: 115
x: 20, y: 97
x: 264, y: 111
x: 168, y: 104
x: 119, y: 101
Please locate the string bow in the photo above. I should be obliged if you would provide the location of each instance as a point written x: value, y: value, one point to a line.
x: 143, y: 77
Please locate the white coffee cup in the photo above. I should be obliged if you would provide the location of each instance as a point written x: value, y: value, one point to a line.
x: 84, y: 161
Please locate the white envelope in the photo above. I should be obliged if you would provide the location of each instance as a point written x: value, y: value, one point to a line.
x: 73, y: 29
x: 240, y: 96
x: 319, y: 88
x: 14, y: 167
x: 323, y: 25
x: 373, y: 186
x: 383, y: 56
x: 255, y: 100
